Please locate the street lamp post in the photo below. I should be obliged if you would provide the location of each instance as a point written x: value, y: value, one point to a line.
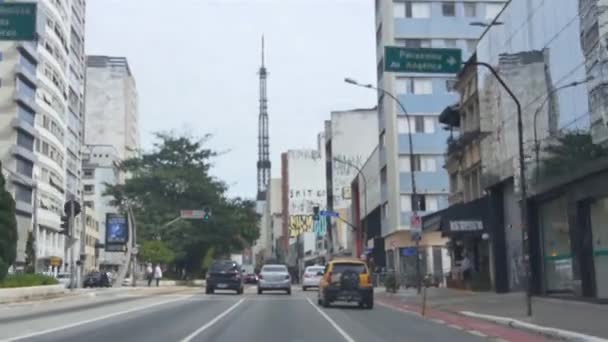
x: 413, y: 176
x: 538, y: 110
x: 359, y: 173
x: 523, y: 185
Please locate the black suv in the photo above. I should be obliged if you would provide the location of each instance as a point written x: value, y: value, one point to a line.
x: 224, y: 275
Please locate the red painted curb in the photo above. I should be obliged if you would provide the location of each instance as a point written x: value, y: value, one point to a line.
x: 492, y: 330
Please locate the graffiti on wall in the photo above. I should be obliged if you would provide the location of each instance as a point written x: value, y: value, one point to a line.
x: 301, y: 201
x: 304, y: 154
x: 299, y: 224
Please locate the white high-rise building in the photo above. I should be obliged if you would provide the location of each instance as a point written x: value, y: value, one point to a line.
x: 112, y: 111
x: 41, y: 127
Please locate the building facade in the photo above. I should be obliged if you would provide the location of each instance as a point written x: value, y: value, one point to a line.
x: 100, y: 167
x: 437, y: 24
x: 112, y: 107
x: 42, y: 95
x: 350, y: 137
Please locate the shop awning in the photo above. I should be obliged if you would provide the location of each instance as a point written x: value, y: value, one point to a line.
x: 459, y: 218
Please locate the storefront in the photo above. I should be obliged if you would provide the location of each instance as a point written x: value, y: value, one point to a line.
x: 470, y: 245
x: 569, y: 224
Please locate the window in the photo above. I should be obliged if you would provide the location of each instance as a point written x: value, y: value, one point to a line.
x: 26, y: 141
x: 428, y: 164
x: 492, y: 11
x: 89, y: 204
x: 422, y: 86
x: 382, y: 139
x: 470, y: 9
x: 450, y: 85
x: 402, y: 85
x: 419, y: 202
x: 25, y: 167
x: 383, y: 176
x: 429, y: 124
x: 385, y: 210
x: 89, y: 172
x: 23, y: 194
x: 406, y: 203
x: 418, y: 124
x: 448, y: 9
x: 471, y: 45
x: 45, y: 148
x: 88, y: 188
x: 454, y: 182
x: 450, y: 43
x: 432, y: 203
x: 399, y: 10
x: 404, y: 164
x: 418, y: 10
x: 26, y: 115
x: 414, y: 43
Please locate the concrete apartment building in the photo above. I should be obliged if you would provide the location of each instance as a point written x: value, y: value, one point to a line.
x: 42, y: 101
x: 112, y: 105
x: 111, y: 136
x: 350, y: 136
x: 439, y: 24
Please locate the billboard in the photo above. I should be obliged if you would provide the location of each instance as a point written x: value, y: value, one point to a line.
x: 117, y: 230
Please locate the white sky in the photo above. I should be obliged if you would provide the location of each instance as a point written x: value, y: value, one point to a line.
x: 196, y: 61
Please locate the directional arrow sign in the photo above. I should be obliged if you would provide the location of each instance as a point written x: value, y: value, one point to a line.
x: 329, y: 213
x: 422, y: 60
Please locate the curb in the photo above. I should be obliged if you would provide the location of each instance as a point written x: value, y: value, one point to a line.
x: 538, y: 329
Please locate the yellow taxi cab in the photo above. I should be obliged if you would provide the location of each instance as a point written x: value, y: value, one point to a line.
x: 346, y: 279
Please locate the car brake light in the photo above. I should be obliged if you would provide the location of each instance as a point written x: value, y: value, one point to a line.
x: 329, y: 277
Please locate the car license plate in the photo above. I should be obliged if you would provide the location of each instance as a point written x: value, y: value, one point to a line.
x: 222, y: 286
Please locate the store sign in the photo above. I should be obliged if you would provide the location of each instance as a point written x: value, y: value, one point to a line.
x: 465, y: 226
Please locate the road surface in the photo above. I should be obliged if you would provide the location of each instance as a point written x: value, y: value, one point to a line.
x: 190, y: 315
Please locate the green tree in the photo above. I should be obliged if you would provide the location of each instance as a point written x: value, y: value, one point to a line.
x: 156, y: 251
x: 30, y: 253
x: 570, y: 152
x: 175, y: 176
x: 8, y: 229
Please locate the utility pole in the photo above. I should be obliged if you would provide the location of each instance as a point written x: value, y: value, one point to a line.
x: 71, y: 241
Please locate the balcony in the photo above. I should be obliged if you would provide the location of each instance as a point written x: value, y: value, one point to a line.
x: 458, y: 144
x: 21, y: 124
x: 24, y: 153
x: 28, y: 48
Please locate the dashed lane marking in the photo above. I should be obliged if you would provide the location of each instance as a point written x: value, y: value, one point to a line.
x: 332, y: 322
x: 212, y: 322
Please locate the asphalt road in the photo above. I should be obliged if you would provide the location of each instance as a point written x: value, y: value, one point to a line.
x: 193, y: 316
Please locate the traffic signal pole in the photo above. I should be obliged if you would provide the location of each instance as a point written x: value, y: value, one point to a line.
x: 71, y: 244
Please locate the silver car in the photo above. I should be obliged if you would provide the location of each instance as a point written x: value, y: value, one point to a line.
x: 311, y: 277
x: 274, y: 277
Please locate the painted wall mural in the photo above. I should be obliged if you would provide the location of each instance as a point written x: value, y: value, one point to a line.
x: 299, y: 224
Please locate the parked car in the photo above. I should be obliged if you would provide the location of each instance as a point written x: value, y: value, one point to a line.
x: 64, y: 278
x: 97, y: 279
x: 311, y: 277
x: 251, y: 278
x: 274, y: 277
x: 346, y: 280
x: 224, y: 275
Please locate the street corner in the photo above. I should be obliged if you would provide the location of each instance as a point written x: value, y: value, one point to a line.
x: 474, y: 326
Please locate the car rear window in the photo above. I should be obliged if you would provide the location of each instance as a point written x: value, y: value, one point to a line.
x: 223, y: 266
x: 341, y: 267
x: 315, y: 269
x: 274, y: 269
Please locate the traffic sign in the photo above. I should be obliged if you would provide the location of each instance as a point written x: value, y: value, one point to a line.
x: 195, y: 214
x: 18, y: 21
x: 416, y: 224
x: 329, y: 213
x: 422, y: 60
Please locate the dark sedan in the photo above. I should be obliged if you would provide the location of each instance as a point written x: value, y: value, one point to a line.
x: 224, y: 275
x: 97, y: 279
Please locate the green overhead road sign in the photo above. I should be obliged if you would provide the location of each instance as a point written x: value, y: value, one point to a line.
x: 17, y: 21
x: 437, y: 61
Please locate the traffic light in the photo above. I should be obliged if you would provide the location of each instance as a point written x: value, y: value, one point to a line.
x: 65, y: 225
x: 315, y: 213
x: 206, y: 214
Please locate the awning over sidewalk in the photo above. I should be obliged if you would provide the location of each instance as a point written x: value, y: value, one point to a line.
x: 459, y: 218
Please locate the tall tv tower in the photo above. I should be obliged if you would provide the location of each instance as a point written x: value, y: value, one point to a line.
x: 263, y: 146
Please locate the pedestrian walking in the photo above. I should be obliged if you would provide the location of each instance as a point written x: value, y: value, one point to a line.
x: 149, y: 273
x: 158, y: 274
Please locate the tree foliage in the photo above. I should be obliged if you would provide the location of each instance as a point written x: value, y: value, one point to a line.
x: 175, y: 176
x: 570, y: 151
x: 156, y: 251
x: 8, y: 229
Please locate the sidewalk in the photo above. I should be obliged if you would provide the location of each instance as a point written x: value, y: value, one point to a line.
x: 575, y: 316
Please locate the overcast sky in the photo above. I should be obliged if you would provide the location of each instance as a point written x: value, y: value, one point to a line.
x: 196, y: 61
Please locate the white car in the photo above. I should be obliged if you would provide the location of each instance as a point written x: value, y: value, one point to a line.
x: 64, y: 278
x: 274, y: 277
x: 311, y: 277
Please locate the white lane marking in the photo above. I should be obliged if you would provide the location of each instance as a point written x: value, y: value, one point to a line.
x: 455, y: 326
x: 437, y: 321
x: 332, y: 322
x: 212, y: 322
x: 477, y: 333
x: 68, y: 326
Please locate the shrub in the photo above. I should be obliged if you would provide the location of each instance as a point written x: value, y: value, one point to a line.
x: 391, y: 283
x: 27, y: 279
